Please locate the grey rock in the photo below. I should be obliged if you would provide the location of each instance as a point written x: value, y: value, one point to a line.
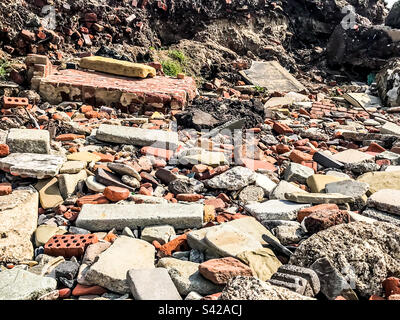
x: 17, y: 284
x: 166, y: 176
x: 162, y: 234
x: 131, y: 181
x: 67, y: 269
x: 68, y: 183
x: 332, y: 282
x: 152, y: 284
x: 29, y: 141
x: 289, y: 234
x: 318, y: 198
x: 32, y: 165
x: 187, y: 278
x: 136, y: 136
x: 250, y: 288
x: 297, y: 173
x: 233, y: 179
x: 186, y: 186
x: 275, y: 210
x: 382, y: 216
x: 93, y: 251
x: 388, y: 155
x: 124, y: 170
x: 348, y: 188
x: 326, y: 160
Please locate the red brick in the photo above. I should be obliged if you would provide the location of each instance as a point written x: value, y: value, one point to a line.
x: 374, y: 147
x: 189, y: 197
x: 321, y: 220
x: 92, y: 199
x: 258, y: 164
x: 214, y: 296
x: 374, y: 297
x: 282, y: 128
x: 5, y: 188
x: 4, y: 150
x: 178, y: 244
x: 105, y: 157
x: 68, y: 246
x: 217, y: 203
x: 220, y: 271
x: 157, y: 152
x: 11, y: 102
x: 116, y: 194
x: 282, y: 148
x: 391, y: 286
x: 298, y: 156
x: 69, y: 137
x: 64, y: 293
x: 81, y: 290
x: 321, y: 207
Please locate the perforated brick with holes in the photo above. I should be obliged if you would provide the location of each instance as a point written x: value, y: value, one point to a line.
x: 68, y: 246
x: 11, y: 102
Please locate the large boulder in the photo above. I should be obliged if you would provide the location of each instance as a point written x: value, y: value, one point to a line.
x: 365, y: 254
x: 388, y: 80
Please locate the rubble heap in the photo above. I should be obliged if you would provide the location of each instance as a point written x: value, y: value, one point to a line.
x: 245, y: 180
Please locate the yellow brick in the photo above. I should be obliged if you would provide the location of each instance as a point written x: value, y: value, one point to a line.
x: 317, y: 182
x: 117, y: 67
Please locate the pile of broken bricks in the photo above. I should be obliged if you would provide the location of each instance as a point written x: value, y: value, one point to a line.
x: 304, y: 206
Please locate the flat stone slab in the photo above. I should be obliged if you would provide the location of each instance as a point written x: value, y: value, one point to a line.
x: 152, y: 284
x: 379, y: 180
x: 275, y: 210
x: 319, y: 198
x: 348, y: 187
x: 387, y: 200
x: 137, y: 136
x: 248, y: 225
x: 273, y: 76
x: 104, y: 89
x: 229, y: 242
x: 352, y: 156
x: 18, y: 284
x: 31, y: 165
x: 18, y: 222
x: 110, y: 270
x: 381, y: 216
x: 104, y: 217
x: 29, y: 141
